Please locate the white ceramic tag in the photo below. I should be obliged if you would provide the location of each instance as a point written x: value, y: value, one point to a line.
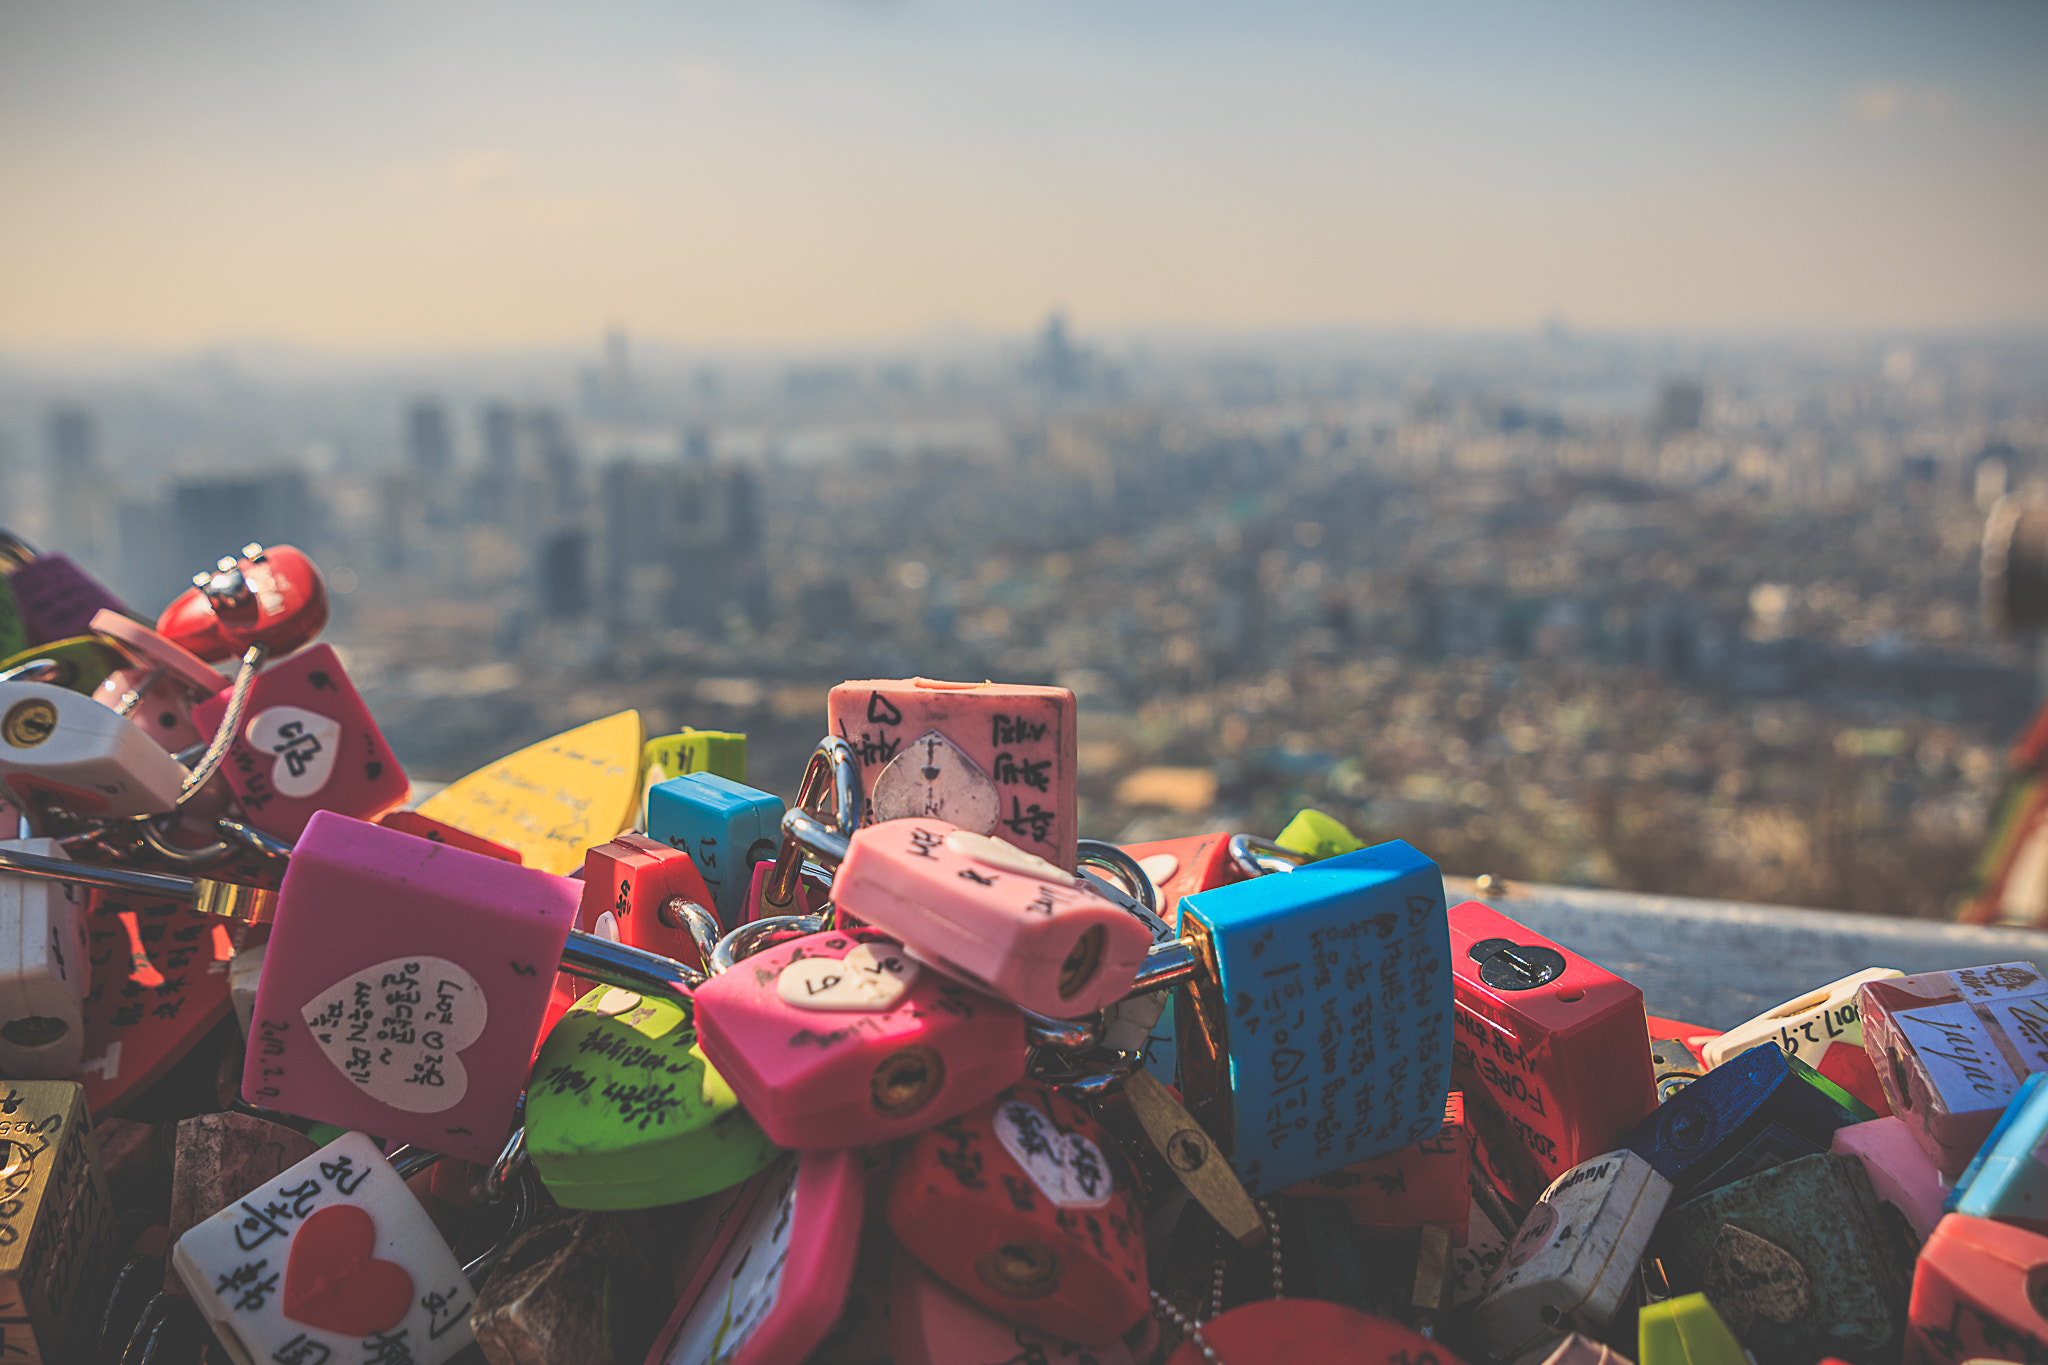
x: 868, y: 979
x: 1067, y: 1168
x: 995, y: 852
x: 305, y: 743
x: 396, y: 1030
x: 933, y: 777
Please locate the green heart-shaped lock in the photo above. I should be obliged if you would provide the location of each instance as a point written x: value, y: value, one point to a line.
x: 624, y: 1112
x: 83, y: 662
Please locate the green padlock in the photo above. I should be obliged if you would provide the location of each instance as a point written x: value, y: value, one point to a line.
x: 623, y: 1111
x: 1317, y: 836
x: 1685, y: 1331
x: 83, y: 662
x: 693, y: 751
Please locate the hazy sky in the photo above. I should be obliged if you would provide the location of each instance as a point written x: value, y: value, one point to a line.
x: 423, y: 175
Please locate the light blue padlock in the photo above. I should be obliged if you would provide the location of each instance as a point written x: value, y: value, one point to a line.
x: 725, y: 827
x: 2006, y: 1180
x: 1315, y: 1030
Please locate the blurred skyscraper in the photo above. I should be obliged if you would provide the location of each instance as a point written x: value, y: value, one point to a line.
x: 81, y: 501
x: 429, y: 447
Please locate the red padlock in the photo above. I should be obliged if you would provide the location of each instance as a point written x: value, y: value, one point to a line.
x: 1181, y: 867
x: 1552, y: 1052
x: 272, y: 597
x: 1023, y: 1205
x: 627, y: 885
x: 1430, y: 1182
x: 437, y: 831
x: 929, y: 1324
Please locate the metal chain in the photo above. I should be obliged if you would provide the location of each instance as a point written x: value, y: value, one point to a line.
x: 1191, y: 1329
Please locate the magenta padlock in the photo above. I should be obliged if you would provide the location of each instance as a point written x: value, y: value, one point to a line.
x: 1025, y: 929
x: 56, y: 598
x: 306, y: 744
x: 840, y: 1039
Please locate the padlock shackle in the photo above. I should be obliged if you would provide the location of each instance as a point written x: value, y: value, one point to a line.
x: 680, y: 912
x: 1166, y: 965
x: 802, y: 833
x: 15, y: 552
x: 609, y: 962
x: 230, y: 723
x: 751, y: 938
x: 1100, y: 853
x: 163, y: 885
x: 1256, y: 857
x: 831, y: 761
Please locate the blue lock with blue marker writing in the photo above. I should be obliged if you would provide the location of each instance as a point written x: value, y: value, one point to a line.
x: 725, y: 827
x: 1317, y: 1030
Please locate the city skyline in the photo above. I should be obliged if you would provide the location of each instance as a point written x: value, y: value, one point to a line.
x: 375, y: 178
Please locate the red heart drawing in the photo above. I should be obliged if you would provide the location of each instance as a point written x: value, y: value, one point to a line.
x: 333, y: 1282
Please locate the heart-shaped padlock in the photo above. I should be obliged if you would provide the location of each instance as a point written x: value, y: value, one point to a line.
x: 272, y: 597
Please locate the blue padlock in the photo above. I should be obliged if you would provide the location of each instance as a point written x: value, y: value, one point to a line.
x: 725, y: 827
x: 1315, y: 1030
x: 2006, y: 1180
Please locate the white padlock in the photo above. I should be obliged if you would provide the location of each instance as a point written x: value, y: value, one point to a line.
x: 1805, y: 1027
x: 43, y: 971
x: 65, y: 749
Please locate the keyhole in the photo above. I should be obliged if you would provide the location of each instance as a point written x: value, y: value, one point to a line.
x: 1082, y: 960
x: 1899, y: 1086
x: 1020, y: 1270
x: 34, y: 1030
x: 905, y: 1081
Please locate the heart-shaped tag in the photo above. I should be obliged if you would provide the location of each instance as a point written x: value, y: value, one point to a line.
x: 871, y: 978
x: 1159, y: 869
x: 934, y: 778
x: 1067, y: 1168
x: 304, y: 742
x: 334, y: 1281
x: 395, y: 1029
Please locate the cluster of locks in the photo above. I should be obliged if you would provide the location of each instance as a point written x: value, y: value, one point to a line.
x: 602, y: 1055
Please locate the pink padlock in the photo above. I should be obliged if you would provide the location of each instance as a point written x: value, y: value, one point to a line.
x: 1900, y: 1170
x: 167, y: 681
x: 840, y: 1039
x: 1030, y: 932
x: 308, y: 744
x: 388, y: 958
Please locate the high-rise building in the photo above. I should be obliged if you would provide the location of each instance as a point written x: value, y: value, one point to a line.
x: 81, y: 502
x: 1680, y: 404
x: 429, y: 446
x: 215, y: 516
x: 562, y: 571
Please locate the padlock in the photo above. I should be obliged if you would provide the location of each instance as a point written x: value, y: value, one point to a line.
x: 441, y: 832
x: 693, y: 751
x: 627, y: 886
x: 1485, y: 1246
x: 307, y: 744
x: 1980, y: 1291
x: 574, y: 1287
x: 993, y: 758
x: 1316, y: 836
x: 1674, y: 1065
x: 839, y: 1039
x: 56, y: 1223
x: 1176, y: 868
x: 54, y: 597
x: 1824, y: 1029
x: 552, y: 801
x: 333, y: 1259
x: 2006, y: 1179
x: 931, y: 1324
x: 624, y: 1109
x: 1951, y: 1048
x: 1574, y: 1257
x: 1023, y: 1205
x: 1309, y: 1332
x: 165, y: 682
x: 134, y: 1032
x: 770, y: 1290
x: 726, y: 827
x: 1025, y: 930
x: 1686, y: 1331
x: 271, y: 597
x: 218, y: 1159
x: 1552, y: 1051
x: 387, y: 958
x: 43, y: 972
x: 1899, y: 1170
x: 1750, y: 1113
x: 1799, y: 1260
x: 1428, y: 1182
x: 1315, y: 1028
x: 60, y: 749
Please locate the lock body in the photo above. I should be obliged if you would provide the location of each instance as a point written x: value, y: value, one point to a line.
x: 1824, y: 1029
x: 627, y: 881
x: 1951, y: 1048
x: 1318, y: 1031
x: 930, y: 1324
x: 1317, y: 836
x: 134, y: 1032
x: 1686, y: 1331
x: 1750, y: 1113
x: 1026, y: 930
x: 331, y: 1260
x: 1023, y: 1206
x: 1977, y: 1294
x: 272, y: 597
x: 552, y: 801
x: 1426, y: 1182
x: 693, y: 751
x: 56, y: 1222
x: 1297, y: 1331
x: 56, y: 599
x: 64, y: 748
x: 307, y: 744
x: 2006, y: 1180
x: 771, y: 1287
x: 218, y: 1159
x: 78, y: 664
x: 1798, y: 1259
x: 1899, y: 1170
x: 351, y: 1032
x: 43, y: 971
x: 725, y: 826
x: 624, y: 1110
x: 1552, y: 1051
x: 441, y: 832
x: 1574, y: 1257
x: 839, y: 1039
x: 994, y: 758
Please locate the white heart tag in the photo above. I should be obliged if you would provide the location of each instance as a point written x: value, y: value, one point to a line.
x: 305, y: 743
x: 395, y: 1029
x: 869, y: 979
x: 1067, y: 1168
x: 933, y: 777
x: 1159, y: 868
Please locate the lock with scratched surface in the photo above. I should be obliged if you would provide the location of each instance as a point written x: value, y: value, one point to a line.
x: 1023, y: 1205
x: 56, y: 1222
x: 1951, y: 1048
x: 993, y: 758
x: 1552, y: 1051
x: 840, y: 1039
x: 578, y: 1287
